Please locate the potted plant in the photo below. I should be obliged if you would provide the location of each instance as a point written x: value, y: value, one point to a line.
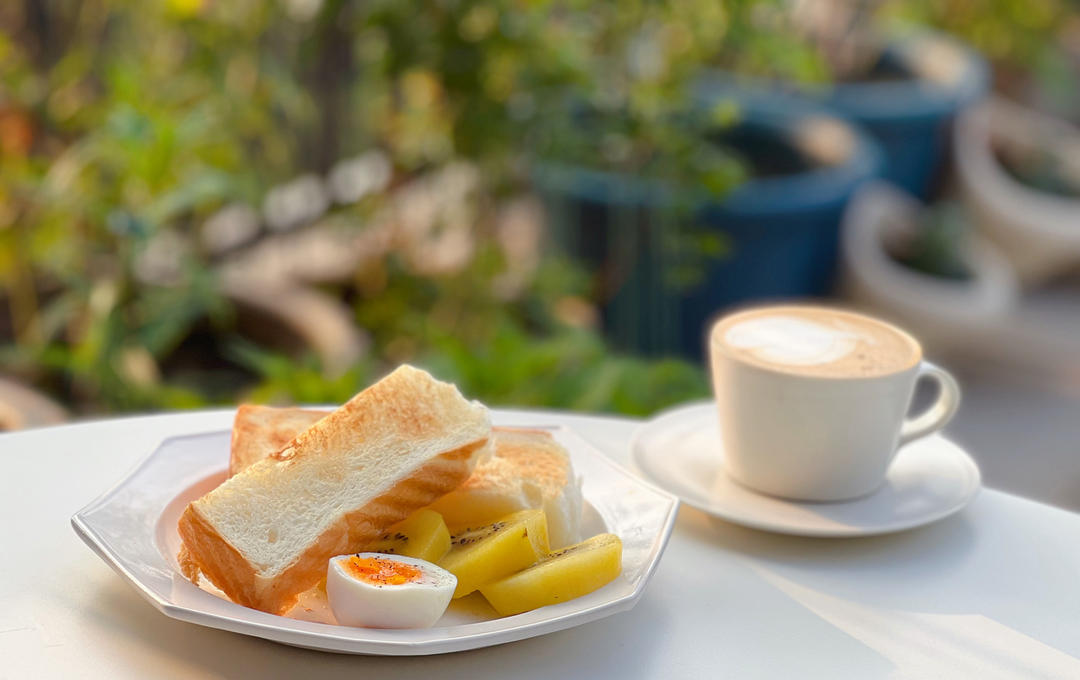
x: 906, y: 91
x: 924, y: 267
x: 904, y: 88
x: 672, y: 254
x: 1019, y: 174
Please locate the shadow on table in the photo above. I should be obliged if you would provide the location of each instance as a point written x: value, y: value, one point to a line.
x: 915, y: 565
x: 923, y: 600
x: 586, y: 651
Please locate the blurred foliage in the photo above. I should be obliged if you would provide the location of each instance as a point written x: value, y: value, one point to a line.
x: 510, y: 353
x: 1019, y: 31
x: 125, y: 125
x: 1034, y: 44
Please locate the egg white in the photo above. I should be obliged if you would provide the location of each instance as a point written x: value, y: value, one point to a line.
x: 416, y: 604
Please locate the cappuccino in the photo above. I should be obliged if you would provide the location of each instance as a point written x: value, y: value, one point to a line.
x: 815, y: 341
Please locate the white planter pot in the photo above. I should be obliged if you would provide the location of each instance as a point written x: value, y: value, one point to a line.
x: 22, y: 407
x: 321, y: 322
x: 944, y: 313
x: 1039, y: 232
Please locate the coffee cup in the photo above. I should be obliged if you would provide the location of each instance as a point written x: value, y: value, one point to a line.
x: 813, y: 401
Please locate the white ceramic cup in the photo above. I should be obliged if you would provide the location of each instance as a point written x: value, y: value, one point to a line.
x: 820, y: 438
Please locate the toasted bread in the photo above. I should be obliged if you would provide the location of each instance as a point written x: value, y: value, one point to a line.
x: 265, y: 535
x: 259, y: 431
x: 529, y: 469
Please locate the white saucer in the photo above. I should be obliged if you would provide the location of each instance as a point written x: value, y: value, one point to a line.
x: 680, y: 451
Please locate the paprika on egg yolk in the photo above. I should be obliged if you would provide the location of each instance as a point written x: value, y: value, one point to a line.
x: 381, y: 571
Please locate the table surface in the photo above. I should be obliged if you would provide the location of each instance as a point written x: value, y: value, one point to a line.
x: 991, y: 592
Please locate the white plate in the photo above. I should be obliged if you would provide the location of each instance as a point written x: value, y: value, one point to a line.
x: 133, y: 528
x: 680, y: 451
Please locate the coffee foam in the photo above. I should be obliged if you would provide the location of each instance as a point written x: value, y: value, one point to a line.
x: 818, y: 341
x: 793, y: 341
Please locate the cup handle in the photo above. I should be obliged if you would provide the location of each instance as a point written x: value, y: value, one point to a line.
x: 937, y: 416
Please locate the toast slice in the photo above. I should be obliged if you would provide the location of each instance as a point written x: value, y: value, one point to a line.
x: 529, y: 469
x: 259, y: 431
x: 265, y: 535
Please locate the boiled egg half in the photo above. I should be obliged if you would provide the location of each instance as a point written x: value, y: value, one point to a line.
x: 376, y: 590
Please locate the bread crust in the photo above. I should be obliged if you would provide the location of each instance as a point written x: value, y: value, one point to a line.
x: 205, y: 551
x: 259, y: 431
x: 227, y: 569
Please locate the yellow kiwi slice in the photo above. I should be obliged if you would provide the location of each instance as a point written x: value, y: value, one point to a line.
x: 483, y: 554
x: 564, y: 575
x: 422, y: 535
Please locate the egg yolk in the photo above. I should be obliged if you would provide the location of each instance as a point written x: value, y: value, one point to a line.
x: 381, y: 572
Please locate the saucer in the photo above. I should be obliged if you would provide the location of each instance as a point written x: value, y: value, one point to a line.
x: 680, y: 451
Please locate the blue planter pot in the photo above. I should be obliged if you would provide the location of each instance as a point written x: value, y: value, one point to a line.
x: 781, y: 226
x: 920, y: 82
x: 910, y: 114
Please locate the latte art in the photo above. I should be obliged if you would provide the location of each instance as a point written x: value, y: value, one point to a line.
x: 816, y: 341
x: 790, y: 340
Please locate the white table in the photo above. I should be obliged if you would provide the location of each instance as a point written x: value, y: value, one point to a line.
x: 992, y: 592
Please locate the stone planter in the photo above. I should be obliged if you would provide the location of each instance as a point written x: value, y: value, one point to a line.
x: 1037, y: 230
x: 945, y: 313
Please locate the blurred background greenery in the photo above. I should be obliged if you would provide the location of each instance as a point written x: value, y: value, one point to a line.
x: 203, y: 201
